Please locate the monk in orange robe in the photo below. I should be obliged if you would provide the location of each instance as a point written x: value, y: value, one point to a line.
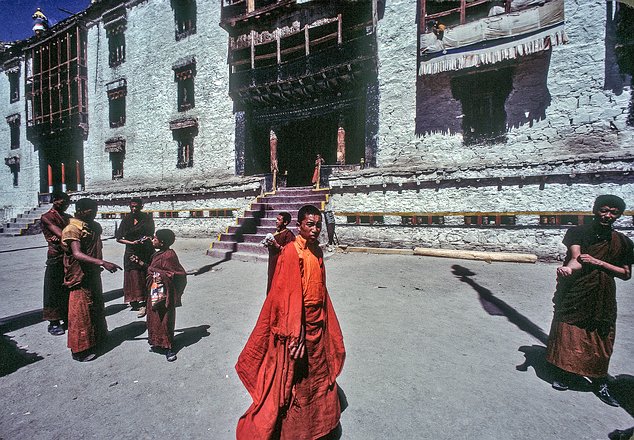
x: 290, y: 362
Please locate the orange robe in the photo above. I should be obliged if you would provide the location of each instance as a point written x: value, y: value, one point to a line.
x: 293, y: 399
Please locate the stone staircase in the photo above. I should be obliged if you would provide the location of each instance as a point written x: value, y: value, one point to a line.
x: 27, y: 223
x: 242, y: 241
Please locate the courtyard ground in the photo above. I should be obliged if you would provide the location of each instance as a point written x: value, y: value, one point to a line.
x: 436, y: 349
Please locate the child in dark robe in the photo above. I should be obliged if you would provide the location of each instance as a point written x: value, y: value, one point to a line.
x: 166, y: 280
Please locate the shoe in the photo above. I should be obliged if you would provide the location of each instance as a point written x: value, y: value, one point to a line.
x: 605, y: 396
x: 84, y: 356
x: 560, y: 386
x: 170, y: 356
x: 56, y: 330
x: 142, y: 312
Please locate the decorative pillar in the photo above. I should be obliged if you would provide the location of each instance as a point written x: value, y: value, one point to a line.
x: 63, y: 178
x: 341, y: 143
x: 273, y: 153
x: 50, y: 179
x: 78, y: 171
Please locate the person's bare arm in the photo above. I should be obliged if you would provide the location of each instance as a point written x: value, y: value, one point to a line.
x: 79, y: 255
x: 623, y: 272
x: 573, y: 265
x: 53, y: 228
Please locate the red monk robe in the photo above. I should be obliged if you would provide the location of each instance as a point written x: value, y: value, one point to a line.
x: 293, y: 399
x: 160, y: 322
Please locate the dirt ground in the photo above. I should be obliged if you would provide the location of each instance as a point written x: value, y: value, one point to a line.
x: 436, y: 349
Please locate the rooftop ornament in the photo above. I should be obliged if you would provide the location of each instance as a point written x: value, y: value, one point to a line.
x: 40, y: 22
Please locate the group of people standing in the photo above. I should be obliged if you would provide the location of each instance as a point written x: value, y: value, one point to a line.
x: 295, y: 352
x: 154, y: 279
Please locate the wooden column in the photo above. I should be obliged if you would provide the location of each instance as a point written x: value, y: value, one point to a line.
x: 463, y: 11
x: 273, y: 157
x: 277, y: 39
x: 306, y: 40
x: 339, y: 36
x: 341, y: 143
x: 253, y: 49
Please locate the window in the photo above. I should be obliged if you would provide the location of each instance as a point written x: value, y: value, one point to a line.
x: 116, y: 48
x: 116, y: 148
x: 185, y: 152
x: 14, y: 128
x: 417, y: 220
x: 366, y: 219
x: 13, y: 162
x: 184, y: 73
x: 183, y: 131
x: 168, y: 214
x: 14, y: 86
x: 184, y: 18
x: 115, y: 22
x: 483, y: 96
x: 117, y: 91
x: 116, y: 159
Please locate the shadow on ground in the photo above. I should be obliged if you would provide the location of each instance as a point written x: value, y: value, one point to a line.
x: 185, y: 337
x: 496, y: 307
x: 127, y: 332
x: 12, y: 357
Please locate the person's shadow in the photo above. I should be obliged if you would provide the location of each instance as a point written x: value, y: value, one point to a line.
x: 535, y: 356
x: 117, y: 336
x: 185, y: 337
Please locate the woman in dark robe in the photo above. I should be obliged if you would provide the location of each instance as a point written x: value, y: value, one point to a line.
x: 136, y: 231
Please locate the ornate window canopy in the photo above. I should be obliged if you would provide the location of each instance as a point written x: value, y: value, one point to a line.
x: 115, y: 145
x: 12, y: 161
x: 13, y: 119
x: 182, y: 123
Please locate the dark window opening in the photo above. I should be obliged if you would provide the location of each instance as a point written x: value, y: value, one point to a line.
x: 184, y: 18
x: 116, y: 108
x: 186, y: 94
x: 569, y: 220
x: 14, y: 86
x: 14, y: 127
x: 116, y: 47
x: 365, y: 219
x: 508, y: 220
x: 184, y: 77
x: 185, y: 153
x: 418, y: 220
x: 483, y: 96
x: 117, y: 165
x: 168, y: 214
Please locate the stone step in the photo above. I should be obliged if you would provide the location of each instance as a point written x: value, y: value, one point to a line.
x: 278, y: 207
x: 311, y: 198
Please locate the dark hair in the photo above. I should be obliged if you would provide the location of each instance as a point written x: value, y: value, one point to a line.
x: 137, y: 200
x: 166, y: 236
x: 307, y: 210
x: 608, y: 200
x: 85, y: 204
x: 58, y: 195
x: 286, y: 216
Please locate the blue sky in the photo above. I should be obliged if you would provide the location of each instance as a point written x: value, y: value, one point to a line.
x: 15, y: 15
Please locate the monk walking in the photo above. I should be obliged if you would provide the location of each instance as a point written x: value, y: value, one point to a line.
x: 290, y: 362
x: 136, y: 231
x: 55, y: 309
x: 583, y: 328
x: 83, y: 264
x: 281, y: 238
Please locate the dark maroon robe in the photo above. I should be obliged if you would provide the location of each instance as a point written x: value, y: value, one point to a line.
x: 86, y: 316
x: 583, y: 328
x: 134, y: 274
x: 55, y: 294
x: 161, y: 320
x: 282, y: 238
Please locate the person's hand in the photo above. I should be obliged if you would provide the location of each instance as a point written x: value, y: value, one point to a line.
x: 158, y: 279
x: 564, y: 271
x: 54, y: 239
x: 110, y: 267
x: 589, y: 259
x: 297, y: 348
x: 135, y: 259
